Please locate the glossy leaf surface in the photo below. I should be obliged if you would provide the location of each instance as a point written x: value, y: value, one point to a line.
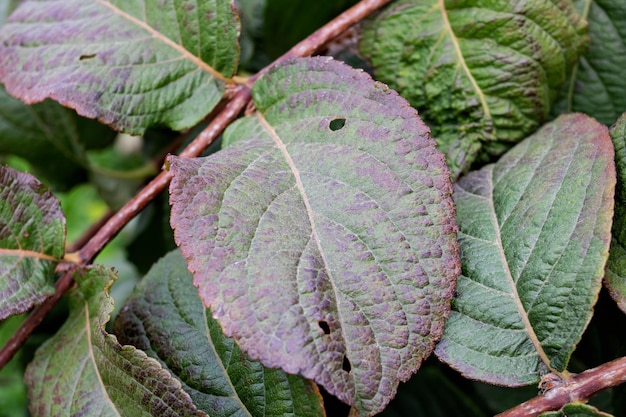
x: 167, y: 320
x: 82, y: 370
x: 323, y: 237
x: 478, y: 71
x: 32, y: 241
x: 597, y: 87
x: 129, y: 64
x: 615, y: 278
x: 534, y: 236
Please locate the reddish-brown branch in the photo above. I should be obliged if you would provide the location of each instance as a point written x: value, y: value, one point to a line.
x: 233, y: 108
x: 315, y: 41
x: 578, y: 388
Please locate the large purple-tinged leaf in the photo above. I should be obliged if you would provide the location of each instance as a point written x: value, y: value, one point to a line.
x: 166, y: 319
x: 482, y: 73
x: 534, y: 236
x: 615, y: 278
x: 131, y: 64
x: 323, y: 237
x: 83, y: 371
x: 32, y: 241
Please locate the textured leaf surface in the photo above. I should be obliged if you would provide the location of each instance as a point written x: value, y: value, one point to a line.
x: 82, y: 370
x: 32, y: 240
x: 476, y: 70
x: 129, y: 64
x: 596, y: 86
x: 167, y: 320
x: 323, y: 239
x: 615, y: 278
x: 534, y: 235
x: 51, y: 137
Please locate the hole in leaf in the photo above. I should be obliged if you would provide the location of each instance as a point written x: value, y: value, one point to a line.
x: 324, y: 326
x: 346, y: 364
x: 84, y: 57
x: 337, y: 124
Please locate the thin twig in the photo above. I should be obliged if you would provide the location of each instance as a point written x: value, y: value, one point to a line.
x: 578, y: 388
x: 116, y: 222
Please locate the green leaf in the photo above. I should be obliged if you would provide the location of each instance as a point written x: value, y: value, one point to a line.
x: 12, y: 388
x: 32, y: 241
x: 82, y: 370
x: 478, y: 71
x: 323, y: 239
x: 129, y: 64
x: 167, y: 320
x: 534, y: 237
x: 615, y: 278
x: 51, y: 137
x: 596, y: 86
x: 576, y: 409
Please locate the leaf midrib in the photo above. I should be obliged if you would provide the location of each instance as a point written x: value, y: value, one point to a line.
x: 22, y: 253
x: 159, y: 36
x: 92, y: 357
x: 300, y: 186
x: 457, y: 48
x: 221, y: 365
x: 515, y: 295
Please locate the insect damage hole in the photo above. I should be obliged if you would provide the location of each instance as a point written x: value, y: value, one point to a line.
x: 85, y: 57
x: 346, y: 366
x: 337, y: 124
x: 324, y: 326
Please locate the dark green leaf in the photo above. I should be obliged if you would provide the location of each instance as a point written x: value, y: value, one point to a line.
x: 12, y: 388
x: 82, y: 370
x: 287, y: 22
x: 534, y: 237
x: 51, y: 137
x: 615, y: 278
x: 596, y: 86
x: 430, y: 393
x: 167, y: 320
x: 324, y: 238
x: 478, y: 71
x: 129, y: 64
x: 32, y: 241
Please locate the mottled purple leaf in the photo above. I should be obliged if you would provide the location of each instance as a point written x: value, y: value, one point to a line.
x: 83, y: 371
x: 129, y: 64
x: 32, y: 241
x: 323, y: 237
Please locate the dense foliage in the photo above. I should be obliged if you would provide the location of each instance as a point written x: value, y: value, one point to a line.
x: 425, y: 219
